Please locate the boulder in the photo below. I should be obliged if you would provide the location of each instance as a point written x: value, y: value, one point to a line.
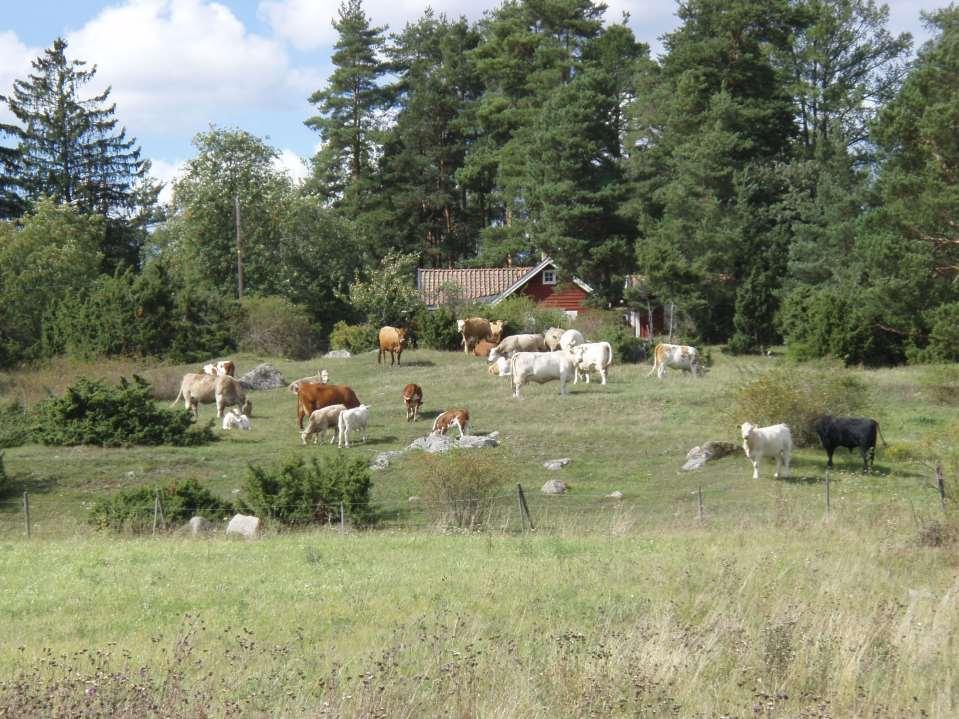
x: 432, y: 443
x: 339, y: 354
x: 244, y: 525
x: 475, y: 441
x: 698, y: 456
x: 554, y: 486
x: 263, y: 376
x: 382, y: 459
x: 437, y: 443
x: 199, y: 525
x: 557, y: 463
x: 615, y: 495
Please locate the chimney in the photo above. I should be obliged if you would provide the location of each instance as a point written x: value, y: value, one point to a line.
x: 509, y: 260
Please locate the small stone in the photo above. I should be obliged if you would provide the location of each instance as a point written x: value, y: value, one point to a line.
x: 554, y: 486
x: 413, y: 499
x: 615, y: 495
x: 697, y: 457
x: 557, y: 463
x: 244, y: 525
x: 131, y: 474
x: 382, y: 459
x: 199, y: 525
x: 339, y: 354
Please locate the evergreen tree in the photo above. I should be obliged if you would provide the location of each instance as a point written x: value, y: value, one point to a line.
x: 11, y: 203
x: 72, y: 150
x: 348, y: 119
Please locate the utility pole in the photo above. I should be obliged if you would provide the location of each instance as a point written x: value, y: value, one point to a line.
x: 239, y: 248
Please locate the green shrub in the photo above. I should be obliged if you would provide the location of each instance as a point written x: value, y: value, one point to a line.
x: 436, y: 329
x: 458, y: 489
x: 14, y: 425
x: 355, y: 338
x: 92, y: 412
x: 940, y: 383
x: 300, y: 492
x: 4, y: 479
x: 273, y: 325
x: 796, y: 396
x: 206, y: 323
x: 627, y: 348
x: 943, y: 343
x: 132, y: 509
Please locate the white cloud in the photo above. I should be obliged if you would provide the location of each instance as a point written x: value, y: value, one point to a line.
x: 292, y: 164
x: 176, y: 65
x: 15, y: 60
x: 167, y: 172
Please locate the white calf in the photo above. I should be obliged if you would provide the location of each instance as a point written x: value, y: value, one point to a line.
x: 321, y: 420
x: 352, y: 420
x: 234, y: 420
x: 591, y: 356
x: 774, y: 441
x: 540, y: 367
x: 499, y: 367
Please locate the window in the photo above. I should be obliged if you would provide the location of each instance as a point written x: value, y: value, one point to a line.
x: 549, y: 277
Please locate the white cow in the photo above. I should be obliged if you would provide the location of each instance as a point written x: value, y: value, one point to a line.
x: 591, y: 356
x: 676, y: 356
x: 773, y: 441
x: 499, y: 367
x: 235, y: 420
x: 518, y: 343
x: 570, y: 339
x: 321, y: 420
x: 540, y: 367
x: 353, y: 420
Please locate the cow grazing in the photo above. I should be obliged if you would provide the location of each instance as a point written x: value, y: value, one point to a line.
x: 225, y: 391
x: 476, y: 329
x: 540, y: 367
x: 570, y: 339
x: 499, y: 367
x: 681, y: 357
x: 483, y: 348
x: 413, y: 399
x: 392, y: 340
x: 459, y: 418
x: 312, y: 397
x: 234, y: 420
x: 321, y: 377
x: 774, y: 441
x: 518, y: 343
x: 552, y: 337
x: 591, y: 357
x: 353, y: 420
x: 849, y: 432
x: 321, y: 420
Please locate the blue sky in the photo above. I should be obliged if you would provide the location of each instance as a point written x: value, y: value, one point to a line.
x: 177, y: 66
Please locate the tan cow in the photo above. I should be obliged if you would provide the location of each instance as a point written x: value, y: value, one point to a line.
x: 392, y: 340
x: 225, y: 391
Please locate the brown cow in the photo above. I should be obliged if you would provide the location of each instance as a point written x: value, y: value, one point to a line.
x: 459, y: 418
x: 413, y: 398
x: 482, y: 348
x: 392, y: 340
x: 311, y: 397
x: 474, y: 329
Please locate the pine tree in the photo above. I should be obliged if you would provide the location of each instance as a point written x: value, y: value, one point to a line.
x: 11, y: 202
x: 72, y: 150
x: 348, y: 107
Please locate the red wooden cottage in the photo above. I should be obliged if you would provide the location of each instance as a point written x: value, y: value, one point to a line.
x: 495, y: 284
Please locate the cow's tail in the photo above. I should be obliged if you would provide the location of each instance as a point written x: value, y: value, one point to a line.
x: 884, y: 443
x: 179, y: 396
x: 609, y: 355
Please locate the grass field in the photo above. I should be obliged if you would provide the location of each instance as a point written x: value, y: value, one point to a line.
x: 631, y: 607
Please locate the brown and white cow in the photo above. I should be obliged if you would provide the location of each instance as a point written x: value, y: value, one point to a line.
x: 459, y: 418
x: 312, y: 397
x: 475, y: 329
x: 225, y: 391
x: 413, y: 399
x: 681, y: 357
x: 392, y: 340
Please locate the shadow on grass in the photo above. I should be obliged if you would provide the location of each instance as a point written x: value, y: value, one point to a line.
x: 417, y: 363
x: 372, y: 441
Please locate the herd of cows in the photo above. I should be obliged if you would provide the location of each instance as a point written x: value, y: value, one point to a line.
x: 556, y: 354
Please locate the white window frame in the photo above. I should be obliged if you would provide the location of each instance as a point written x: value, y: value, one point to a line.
x: 552, y: 273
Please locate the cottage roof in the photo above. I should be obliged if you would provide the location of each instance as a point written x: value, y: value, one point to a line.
x: 474, y: 284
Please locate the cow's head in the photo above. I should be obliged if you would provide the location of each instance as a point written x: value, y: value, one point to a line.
x: 496, y: 330
x: 401, y: 335
x: 494, y: 355
x: 324, y: 377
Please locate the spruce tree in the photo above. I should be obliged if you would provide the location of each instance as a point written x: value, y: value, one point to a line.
x: 11, y: 202
x: 72, y: 150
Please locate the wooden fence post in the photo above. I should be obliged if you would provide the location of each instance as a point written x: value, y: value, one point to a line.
x: 522, y: 499
x: 156, y: 511
x: 827, y: 493
x: 26, y: 512
x: 941, y: 486
x: 700, y: 504
x: 342, y: 523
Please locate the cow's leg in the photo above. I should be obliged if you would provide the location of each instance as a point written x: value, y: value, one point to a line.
x: 864, y: 451
x: 346, y: 436
x: 756, y: 460
x: 602, y: 376
x: 787, y: 455
x: 829, y: 451
x: 779, y: 459
x: 299, y: 415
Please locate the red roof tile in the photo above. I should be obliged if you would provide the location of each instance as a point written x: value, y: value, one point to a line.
x: 474, y: 284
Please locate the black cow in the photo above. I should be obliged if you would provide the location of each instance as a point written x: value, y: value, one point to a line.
x: 848, y: 432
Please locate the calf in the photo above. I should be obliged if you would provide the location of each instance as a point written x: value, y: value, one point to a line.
x: 234, y: 420
x: 849, y: 432
x: 483, y: 347
x: 353, y: 420
x: 311, y: 396
x: 413, y: 399
x: 774, y: 441
x: 676, y: 356
x: 321, y: 420
x: 459, y: 418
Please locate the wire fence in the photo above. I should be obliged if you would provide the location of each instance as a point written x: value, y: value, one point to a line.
x: 517, y: 511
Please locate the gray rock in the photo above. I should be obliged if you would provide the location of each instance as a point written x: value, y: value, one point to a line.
x: 615, y: 495
x: 199, y: 525
x: 263, y: 376
x: 338, y: 354
x: 244, y: 525
x: 557, y: 463
x: 432, y: 443
x: 382, y: 459
x: 554, y: 486
x: 697, y: 457
x: 437, y: 443
x: 475, y: 441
